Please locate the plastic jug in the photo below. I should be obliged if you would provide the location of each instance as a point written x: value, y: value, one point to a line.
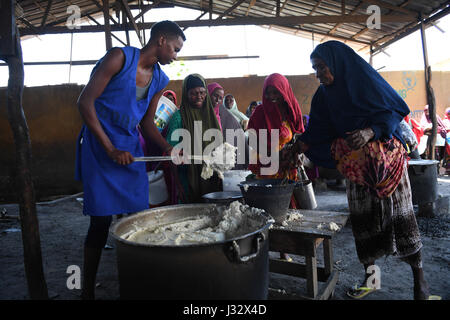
x: 164, y: 112
x: 157, y: 187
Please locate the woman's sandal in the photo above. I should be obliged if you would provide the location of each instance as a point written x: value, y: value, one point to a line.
x: 359, y: 292
x: 285, y: 257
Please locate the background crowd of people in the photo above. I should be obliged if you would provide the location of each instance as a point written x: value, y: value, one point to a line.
x: 353, y: 126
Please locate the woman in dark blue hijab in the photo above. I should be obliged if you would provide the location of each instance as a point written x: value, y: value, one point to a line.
x: 354, y: 127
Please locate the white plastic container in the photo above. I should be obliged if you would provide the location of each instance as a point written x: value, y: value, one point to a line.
x: 164, y: 112
x: 157, y: 187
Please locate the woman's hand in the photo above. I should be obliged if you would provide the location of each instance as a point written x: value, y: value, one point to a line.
x: 244, y: 124
x: 121, y: 157
x: 287, y: 155
x: 357, y: 139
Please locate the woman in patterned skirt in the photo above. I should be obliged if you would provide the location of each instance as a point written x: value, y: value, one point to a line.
x: 354, y: 127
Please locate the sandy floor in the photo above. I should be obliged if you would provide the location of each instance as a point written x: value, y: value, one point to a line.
x: 63, y: 228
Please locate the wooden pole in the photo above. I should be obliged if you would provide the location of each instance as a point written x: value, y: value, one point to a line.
x: 107, y: 25
x: 430, y: 95
x: 125, y: 25
x: 37, y: 287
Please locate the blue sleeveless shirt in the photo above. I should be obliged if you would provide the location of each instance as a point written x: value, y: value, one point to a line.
x: 110, y: 188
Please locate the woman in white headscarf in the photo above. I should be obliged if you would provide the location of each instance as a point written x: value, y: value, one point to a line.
x: 230, y: 103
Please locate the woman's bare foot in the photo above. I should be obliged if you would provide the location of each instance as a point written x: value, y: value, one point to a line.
x: 421, y: 289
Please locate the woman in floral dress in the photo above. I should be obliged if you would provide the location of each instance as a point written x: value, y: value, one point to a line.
x: 354, y: 127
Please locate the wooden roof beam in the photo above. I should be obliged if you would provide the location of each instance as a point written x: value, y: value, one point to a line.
x: 131, y: 19
x: 356, y: 35
x: 99, y: 24
x: 252, y: 3
x: 43, y: 11
x: 410, y: 28
x: 392, y: 36
x: 210, y: 9
x: 106, y: 16
x: 300, y: 29
x: 392, y: 7
x: 229, y: 10
x: 47, y: 10
x: 284, y: 5
x: 288, y: 21
x: 355, y: 9
x: 101, y: 9
x: 198, y: 18
x: 367, y: 29
x: 315, y: 7
x: 147, y: 8
x: 279, y: 7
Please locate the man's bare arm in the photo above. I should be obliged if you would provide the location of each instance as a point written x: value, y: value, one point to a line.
x: 108, y: 68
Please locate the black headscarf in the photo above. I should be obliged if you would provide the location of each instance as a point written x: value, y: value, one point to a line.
x: 190, y: 114
x: 358, y: 98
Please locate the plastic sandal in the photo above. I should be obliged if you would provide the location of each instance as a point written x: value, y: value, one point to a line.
x: 286, y: 258
x: 359, y: 292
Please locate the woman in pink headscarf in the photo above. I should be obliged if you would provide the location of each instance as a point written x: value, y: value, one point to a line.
x: 446, y: 123
x: 216, y: 93
x: 171, y: 95
x: 228, y: 122
x: 446, y: 120
x: 426, y: 124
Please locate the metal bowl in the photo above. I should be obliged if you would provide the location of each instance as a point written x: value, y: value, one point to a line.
x: 223, y: 197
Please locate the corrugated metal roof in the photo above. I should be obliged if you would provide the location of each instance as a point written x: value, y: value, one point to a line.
x: 356, y: 34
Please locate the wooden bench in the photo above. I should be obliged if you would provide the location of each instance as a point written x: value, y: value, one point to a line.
x: 302, y: 237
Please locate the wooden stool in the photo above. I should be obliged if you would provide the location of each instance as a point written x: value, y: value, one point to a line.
x: 302, y: 237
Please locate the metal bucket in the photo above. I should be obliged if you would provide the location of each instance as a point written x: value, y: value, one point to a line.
x: 423, y: 179
x: 268, y: 194
x: 304, y: 194
x: 236, y: 268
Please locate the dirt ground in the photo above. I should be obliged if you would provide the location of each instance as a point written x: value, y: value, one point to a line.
x: 63, y: 228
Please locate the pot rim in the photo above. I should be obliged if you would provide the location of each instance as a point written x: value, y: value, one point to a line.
x: 260, y: 183
x: 114, y: 226
x: 231, y: 195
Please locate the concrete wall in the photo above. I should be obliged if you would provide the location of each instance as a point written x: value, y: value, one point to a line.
x: 54, y: 121
x: 409, y: 84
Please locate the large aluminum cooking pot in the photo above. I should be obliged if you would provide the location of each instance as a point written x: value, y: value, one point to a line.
x: 236, y: 268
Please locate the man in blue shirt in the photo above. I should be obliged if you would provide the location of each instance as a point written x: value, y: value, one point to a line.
x: 122, y: 93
